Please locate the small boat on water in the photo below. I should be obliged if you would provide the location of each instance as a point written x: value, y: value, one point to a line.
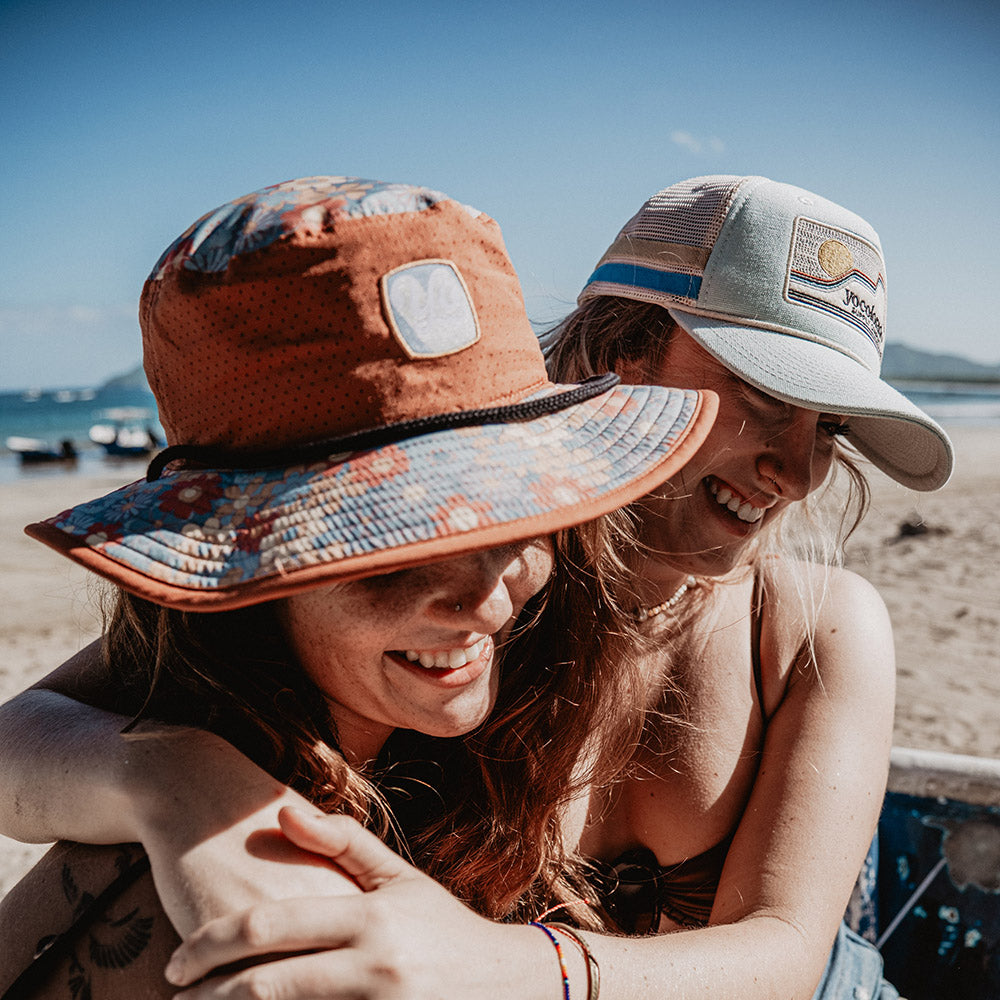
x: 929, y: 897
x: 126, y: 433
x: 34, y: 451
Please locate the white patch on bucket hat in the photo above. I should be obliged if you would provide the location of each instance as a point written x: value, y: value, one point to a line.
x: 429, y: 309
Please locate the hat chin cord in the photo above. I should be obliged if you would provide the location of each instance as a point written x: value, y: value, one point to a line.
x: 216, y: 457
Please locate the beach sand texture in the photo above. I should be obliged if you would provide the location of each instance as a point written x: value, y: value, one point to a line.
x: 940, y: 580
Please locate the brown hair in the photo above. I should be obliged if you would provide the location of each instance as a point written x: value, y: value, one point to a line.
x: 564, y: 717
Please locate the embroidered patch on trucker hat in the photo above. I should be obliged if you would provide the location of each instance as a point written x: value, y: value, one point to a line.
x: 429, y: 308
x: 840, y: 274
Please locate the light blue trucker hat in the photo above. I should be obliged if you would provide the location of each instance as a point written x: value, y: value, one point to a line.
x: 786, y: 289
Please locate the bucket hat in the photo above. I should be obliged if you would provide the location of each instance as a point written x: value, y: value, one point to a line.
x: 349, y: 385
x: 788, y: 291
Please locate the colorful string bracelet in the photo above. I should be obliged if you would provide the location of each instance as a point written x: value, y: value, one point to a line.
x: 559, y: 954
x: 593, y: 969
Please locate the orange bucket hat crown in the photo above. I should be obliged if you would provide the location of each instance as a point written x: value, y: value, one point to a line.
x: 350, y: 385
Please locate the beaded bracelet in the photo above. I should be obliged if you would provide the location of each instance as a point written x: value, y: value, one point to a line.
x: 559, y: 953
x: 593, y: 969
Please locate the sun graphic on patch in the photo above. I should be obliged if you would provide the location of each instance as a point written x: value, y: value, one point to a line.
x: 429, y: 308
x: 835, y: 258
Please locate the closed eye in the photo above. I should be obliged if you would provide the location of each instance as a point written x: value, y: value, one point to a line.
x: 835, y: 428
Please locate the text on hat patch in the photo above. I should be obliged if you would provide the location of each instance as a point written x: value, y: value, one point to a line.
x: 840, y: 274
x: 429, y: 308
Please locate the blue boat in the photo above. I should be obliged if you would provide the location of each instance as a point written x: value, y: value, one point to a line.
x: 929, y: 897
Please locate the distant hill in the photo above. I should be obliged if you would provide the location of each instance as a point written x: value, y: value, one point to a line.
x: 902, y: 362
x: 134, y: 378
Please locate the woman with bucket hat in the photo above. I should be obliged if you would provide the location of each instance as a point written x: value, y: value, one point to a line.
x: 754, y: 793
x: 354, y: 562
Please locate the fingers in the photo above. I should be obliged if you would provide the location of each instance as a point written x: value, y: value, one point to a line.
x: 353, y: 848
x: 324, y: 976
x: 283, y: 926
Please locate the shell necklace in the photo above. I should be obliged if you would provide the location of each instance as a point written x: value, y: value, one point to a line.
x: 644, y: 614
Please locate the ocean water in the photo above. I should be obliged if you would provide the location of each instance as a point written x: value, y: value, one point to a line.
x: 68, y: 414
x: 56, y: 415
x: 969, y: 404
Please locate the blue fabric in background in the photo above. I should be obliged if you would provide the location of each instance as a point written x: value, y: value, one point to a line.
x: 947, y: 945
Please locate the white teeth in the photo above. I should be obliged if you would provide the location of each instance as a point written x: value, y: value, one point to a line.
x: 743, y: 509
x: 449, y: 659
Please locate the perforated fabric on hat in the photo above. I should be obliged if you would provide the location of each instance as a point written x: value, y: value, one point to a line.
x: 267, y: 322
x: 704, y: 203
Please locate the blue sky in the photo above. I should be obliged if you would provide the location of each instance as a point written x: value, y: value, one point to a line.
x: 122, y: 123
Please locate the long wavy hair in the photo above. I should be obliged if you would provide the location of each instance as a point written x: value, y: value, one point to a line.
x: 491, y: 827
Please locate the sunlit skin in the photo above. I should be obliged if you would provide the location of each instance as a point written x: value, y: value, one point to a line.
x: 765, y: 452
x: 352, y: 639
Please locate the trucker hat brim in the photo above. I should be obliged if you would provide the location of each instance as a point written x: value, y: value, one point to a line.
x: 886, y: 427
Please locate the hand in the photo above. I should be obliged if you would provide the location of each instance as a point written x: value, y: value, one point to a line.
x: 208, y: 818
x: 405, y: 937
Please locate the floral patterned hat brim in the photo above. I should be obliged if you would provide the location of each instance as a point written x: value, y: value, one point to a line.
x: 207, y: 540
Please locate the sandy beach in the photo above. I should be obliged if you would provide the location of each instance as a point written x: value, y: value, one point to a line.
x: 933, y: 557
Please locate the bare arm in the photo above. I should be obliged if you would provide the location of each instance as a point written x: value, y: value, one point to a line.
x: 206, y: 815
x: 62, y: 763
x: 816, y: 800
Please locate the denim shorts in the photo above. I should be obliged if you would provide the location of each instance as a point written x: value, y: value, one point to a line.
x: 854, y: 971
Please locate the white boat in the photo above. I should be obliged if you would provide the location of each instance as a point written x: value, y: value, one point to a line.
x: 35, y: 451
x: 126, y: 432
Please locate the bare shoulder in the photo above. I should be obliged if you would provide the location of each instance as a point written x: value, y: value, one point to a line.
x: 803, y: 596
x: 827, y: 621
x: 85, y: 921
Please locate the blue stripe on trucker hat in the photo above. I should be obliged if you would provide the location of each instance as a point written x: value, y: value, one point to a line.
x: 670, y: 282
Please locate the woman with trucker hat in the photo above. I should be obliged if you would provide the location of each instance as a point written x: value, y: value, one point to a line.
x: 367, y: 559
x: 753, y: 795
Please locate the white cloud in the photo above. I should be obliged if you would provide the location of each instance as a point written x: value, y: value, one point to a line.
x: 696, y: 145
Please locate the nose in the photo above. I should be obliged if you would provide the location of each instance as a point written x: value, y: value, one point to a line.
x: 791, y: 464
x: 472, y: 592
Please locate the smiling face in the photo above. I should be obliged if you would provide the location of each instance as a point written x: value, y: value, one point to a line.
x: 415, y: 649
x: 761, y: 456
